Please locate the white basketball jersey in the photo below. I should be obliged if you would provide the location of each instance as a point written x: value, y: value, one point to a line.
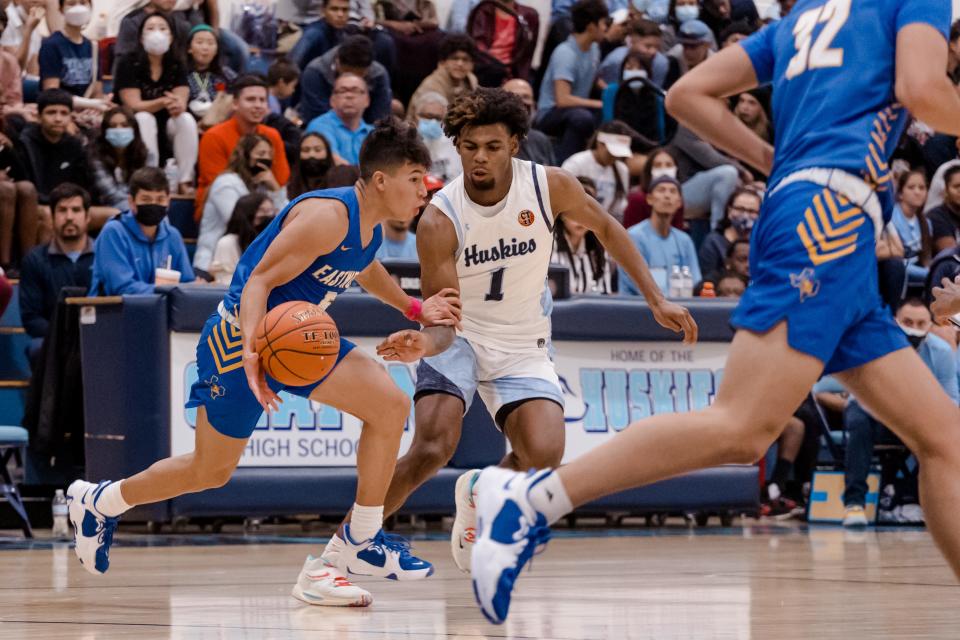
x: 503, y: 254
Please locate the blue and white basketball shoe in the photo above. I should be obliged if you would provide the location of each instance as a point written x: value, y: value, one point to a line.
x: 382, y: 556
x: 92, y: 531
x: 509, y: 530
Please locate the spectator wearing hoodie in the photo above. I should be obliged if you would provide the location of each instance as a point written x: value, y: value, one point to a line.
x: 354, y: 55
x: 134, y: 244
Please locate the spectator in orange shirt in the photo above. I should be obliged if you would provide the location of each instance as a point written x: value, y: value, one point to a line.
x: 250, y: 107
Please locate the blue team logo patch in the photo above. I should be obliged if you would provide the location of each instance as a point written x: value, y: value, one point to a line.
x: 806, y: 283
x: 217, y: 390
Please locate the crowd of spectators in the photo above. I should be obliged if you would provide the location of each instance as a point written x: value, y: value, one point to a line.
x: 239, y: 115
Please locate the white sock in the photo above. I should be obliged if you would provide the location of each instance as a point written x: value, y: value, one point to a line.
x: 365, y: 522
x: 335, y: 545
x: 549, y: 497
x: 110, y: 502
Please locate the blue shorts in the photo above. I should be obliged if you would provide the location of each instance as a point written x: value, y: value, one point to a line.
x: 221, y: 384
x: 502, y: 378
x: 813, y: 263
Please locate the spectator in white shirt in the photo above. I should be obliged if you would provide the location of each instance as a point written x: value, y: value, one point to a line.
x: 604, y: 164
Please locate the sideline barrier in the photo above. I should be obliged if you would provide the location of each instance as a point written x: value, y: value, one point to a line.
x: 616, y: 363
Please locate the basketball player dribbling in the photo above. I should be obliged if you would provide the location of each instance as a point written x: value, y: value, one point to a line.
x: 844, y: 76
x: 489, y: 235
x: 313, y: 250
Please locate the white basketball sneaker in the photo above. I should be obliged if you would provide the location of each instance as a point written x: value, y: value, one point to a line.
x: 382, y: 556
x: 509, y: 531
x: 92, y: 531
x: 322, y: 584
x: 464, y: 532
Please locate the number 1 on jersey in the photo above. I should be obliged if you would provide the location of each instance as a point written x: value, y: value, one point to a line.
x: 496, y: 286
x: 817, y: 54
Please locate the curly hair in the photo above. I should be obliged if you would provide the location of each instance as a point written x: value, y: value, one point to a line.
x: 484, y: 106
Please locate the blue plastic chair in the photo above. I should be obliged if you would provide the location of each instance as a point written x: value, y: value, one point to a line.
x: 13, y: 442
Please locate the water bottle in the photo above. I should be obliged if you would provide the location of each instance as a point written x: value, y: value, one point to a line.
x: 676, y: 283
x: 172, y: 172
x: 686, y: 290
x: 61, y: 528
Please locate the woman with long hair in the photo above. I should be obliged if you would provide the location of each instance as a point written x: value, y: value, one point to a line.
x: 314, y: 161
x: 741, y: 214
x: 247, y: 171
x: 207, y: 77
x: 251, y: 215
x: 152, y: 82
x: 578, y: 249
x: 912, y: 225
x: 116, y: 154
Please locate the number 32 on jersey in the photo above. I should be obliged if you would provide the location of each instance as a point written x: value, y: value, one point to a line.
x: 818, y: 54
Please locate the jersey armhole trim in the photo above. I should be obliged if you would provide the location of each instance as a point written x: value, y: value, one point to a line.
x: 451, y: 213
x: 536, y: 186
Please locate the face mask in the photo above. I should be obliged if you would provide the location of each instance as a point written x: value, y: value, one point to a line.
x: 430, y: 129
x: 261, y: 165
x: 119, y: 137
x: 77, y: 15
x: 687, y: 12
x: 150, y: 215
x: 314, y: 166
x: 156, y: 43
x: 915, y: 336
x: 670, y: 172
x: 630, y: 74
x: 261, y: 225
x: 743, y: 226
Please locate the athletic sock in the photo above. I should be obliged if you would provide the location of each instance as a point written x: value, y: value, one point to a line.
x: 110, y: 502
x: 365, y: 522
x: 335, y: 546
x: 549, y: 497
x: 781, y: 472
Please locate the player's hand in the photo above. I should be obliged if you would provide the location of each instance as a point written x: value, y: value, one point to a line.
x: 677, y: 319
x: 442, y: 309
x: 404, y: 346
x: 257, y: 380
x: 946, y: 299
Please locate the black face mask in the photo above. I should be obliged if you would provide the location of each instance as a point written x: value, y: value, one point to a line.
x: 263, y: 224
x: 260, y: 166
x: 916, y: 341
x: 314, y: 167
x: 150, y: 215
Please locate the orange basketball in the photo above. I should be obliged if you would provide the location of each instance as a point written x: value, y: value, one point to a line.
x: 298, y: 343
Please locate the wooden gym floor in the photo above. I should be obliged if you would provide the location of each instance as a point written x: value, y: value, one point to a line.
x: 758, y: 582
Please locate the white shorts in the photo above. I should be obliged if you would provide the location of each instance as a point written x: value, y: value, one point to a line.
x: 501, y: 377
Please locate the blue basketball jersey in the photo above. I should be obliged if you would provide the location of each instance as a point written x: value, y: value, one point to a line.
x: 832, y: 64
x: 328, y: 275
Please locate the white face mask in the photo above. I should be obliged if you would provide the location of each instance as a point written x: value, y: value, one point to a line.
x: 77, y: 15
x: 659, y: 172
x: 156, y: 43
x: 630, y: 74
x: 687, y: 13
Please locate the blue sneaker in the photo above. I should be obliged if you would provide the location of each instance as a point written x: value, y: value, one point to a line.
x: 510, y: 531
x: 382, y: 556
x: 92, y: 531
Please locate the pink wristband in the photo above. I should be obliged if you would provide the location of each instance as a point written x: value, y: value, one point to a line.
x: 413, y: 312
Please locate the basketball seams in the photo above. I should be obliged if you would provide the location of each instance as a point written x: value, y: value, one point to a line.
x: 322, y: 322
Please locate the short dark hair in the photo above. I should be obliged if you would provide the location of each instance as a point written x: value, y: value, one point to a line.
x: 914, y: 301
x: 586, y: 12
x: 148, y: 179
x: 739, y: 26
x: 733, y: 247
x: 484, y: 106
x: 454, y: 43
x: 53, y: 98
x: 643, y: 28
x: 284, y: 70
x: 65, y: 191
x: 90, y: 2
x: 392, y: 143
x: 949, y: 173
x: 955, y: 31
x: 245, y: 82
x: 355, y: 52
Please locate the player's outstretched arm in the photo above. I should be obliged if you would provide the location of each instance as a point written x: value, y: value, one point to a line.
x: 442, y: 309
x: 922, y: 86
x: 698, y: 101
x: 313, y: 228
x: 580, y: 207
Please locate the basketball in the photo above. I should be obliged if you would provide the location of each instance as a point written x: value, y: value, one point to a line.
x: 298, y: 343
